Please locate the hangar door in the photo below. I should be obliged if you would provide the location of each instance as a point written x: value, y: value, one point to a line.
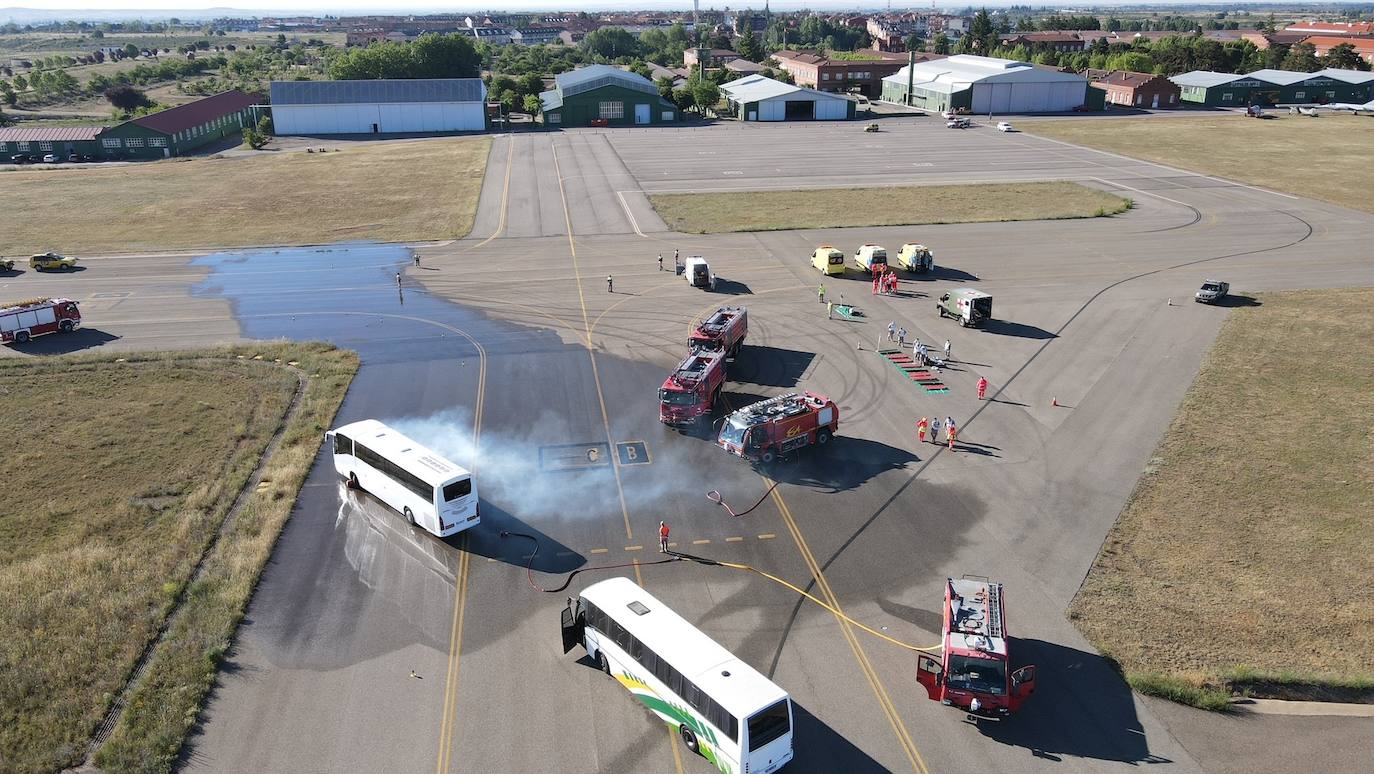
x: 801, y: 109
x: 772, y: 110
x: 1027, y: 97
x: 832, y: 109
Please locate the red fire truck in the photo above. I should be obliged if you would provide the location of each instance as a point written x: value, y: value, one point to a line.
x: 26, y: 319
x: 762, y: 431
x: 973, y: 673
x: 692, y: 390
x: 723, y: 331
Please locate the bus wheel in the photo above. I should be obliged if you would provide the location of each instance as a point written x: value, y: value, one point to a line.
x: 353, y: 481
x: 689, y: 739
x: 602, y: 663
x: 410, y: 517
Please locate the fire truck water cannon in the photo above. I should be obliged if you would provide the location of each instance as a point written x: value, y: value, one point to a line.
x: 692, y: 391
x: 973, y: 672
x: 763, y: 431
x: 723, y: 331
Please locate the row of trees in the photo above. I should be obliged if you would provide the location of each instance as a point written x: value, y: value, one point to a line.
x: 430, y: 56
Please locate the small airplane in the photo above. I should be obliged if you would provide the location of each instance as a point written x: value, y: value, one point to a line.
x: 1367, y: 107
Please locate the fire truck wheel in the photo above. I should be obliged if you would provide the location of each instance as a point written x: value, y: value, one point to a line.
x: 823, y: 437
x: 66, y: 326
x: 410, y: 517
x: 689, y: 740
x: 22, y: 337
x: 766, y: 457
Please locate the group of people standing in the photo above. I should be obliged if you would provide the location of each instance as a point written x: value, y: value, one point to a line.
x: 933, y: 427
x: 885, y: 283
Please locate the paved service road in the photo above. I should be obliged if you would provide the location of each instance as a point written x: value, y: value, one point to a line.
x: 505, y: 348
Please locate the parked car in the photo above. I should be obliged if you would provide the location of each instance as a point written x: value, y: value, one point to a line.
x: 73, y: 157
x: 6, y: 264
x: 1212, y: 291
x: 958, y: 123
x: 1003, y: 126
x: 51, y: 261
x: 50, y: 158
x: 21, y: 158
x: 871, y: 128
x: 87, y: 157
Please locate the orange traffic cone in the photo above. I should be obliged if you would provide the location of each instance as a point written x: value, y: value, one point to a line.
x: 1054, y: 402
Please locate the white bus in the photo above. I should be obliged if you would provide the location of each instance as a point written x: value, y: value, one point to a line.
x: 723, y: 709
x: 429, y: 490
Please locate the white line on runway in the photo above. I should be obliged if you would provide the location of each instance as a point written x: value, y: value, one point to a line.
x: 850, y: 184
x: 1140, y: 191
x: 633, y: 223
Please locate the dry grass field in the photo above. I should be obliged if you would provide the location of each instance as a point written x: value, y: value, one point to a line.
x: 378, y: 191
x: 1244, y: 552
x: 121, y: 473
x: 912, y: 205
x: 1324, y: 158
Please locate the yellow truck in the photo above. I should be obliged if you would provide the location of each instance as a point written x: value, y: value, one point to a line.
x: 916, y: 258
x: 828, y: 260
x: 51, y: 262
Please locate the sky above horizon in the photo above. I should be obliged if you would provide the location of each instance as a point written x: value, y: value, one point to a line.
x: 346, y: 7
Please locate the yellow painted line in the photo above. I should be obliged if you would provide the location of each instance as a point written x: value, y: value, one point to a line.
x: 634, y: 548
x: 734, y: 540
x: 587, y: 326
x: 700, y: 542
x: 455, y: 649
x: 505, y: 199
x: 884, y: 701
x: 767, y: 536
x: 598, y: 550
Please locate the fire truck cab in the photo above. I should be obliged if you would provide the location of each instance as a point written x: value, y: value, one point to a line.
x: 973, y: 671
x: 765, y: 430
x: 26, y: 319
x: 723, y: 331
x: 692, y: 390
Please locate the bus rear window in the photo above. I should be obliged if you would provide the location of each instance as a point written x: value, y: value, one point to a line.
x: 457, y: 489
x: 768, y: 725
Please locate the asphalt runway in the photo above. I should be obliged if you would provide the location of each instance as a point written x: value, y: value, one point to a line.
x: 505, y: 348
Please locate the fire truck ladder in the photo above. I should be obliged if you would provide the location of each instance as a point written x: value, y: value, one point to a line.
x: 975, y: 608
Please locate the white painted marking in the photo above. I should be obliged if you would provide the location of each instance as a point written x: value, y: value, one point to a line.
x: 733, y: 172
x: 625, y: 205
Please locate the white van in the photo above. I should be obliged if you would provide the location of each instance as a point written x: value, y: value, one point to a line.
x: 698, y: 273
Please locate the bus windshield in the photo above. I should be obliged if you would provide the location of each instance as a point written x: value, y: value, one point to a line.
x: 980, y: 675
x: 769, y: 725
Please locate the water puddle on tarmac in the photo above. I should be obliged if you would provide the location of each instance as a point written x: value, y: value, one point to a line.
x: 345, y: 294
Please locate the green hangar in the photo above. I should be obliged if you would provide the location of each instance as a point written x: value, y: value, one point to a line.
x: 601, y: 95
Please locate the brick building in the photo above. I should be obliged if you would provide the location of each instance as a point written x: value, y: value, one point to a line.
x: 1139, y: 90
x: 864, y: 76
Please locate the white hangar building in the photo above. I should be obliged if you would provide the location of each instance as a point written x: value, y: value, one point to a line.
x: 984, y: 84
x: 379, y: 107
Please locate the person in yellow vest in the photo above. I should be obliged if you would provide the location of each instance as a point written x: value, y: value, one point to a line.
x: 921, y: 426
x: 951, y: 432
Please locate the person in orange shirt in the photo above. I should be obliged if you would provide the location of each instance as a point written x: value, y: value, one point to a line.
x: 663, y: 537
x: 982, y: 387
x: 951, y: 432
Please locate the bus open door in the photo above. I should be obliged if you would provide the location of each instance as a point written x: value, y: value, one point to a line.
x: 574, y: 625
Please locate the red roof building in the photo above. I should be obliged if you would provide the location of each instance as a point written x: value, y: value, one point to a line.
x: 1138, y: 90
x: 1364, y: 47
